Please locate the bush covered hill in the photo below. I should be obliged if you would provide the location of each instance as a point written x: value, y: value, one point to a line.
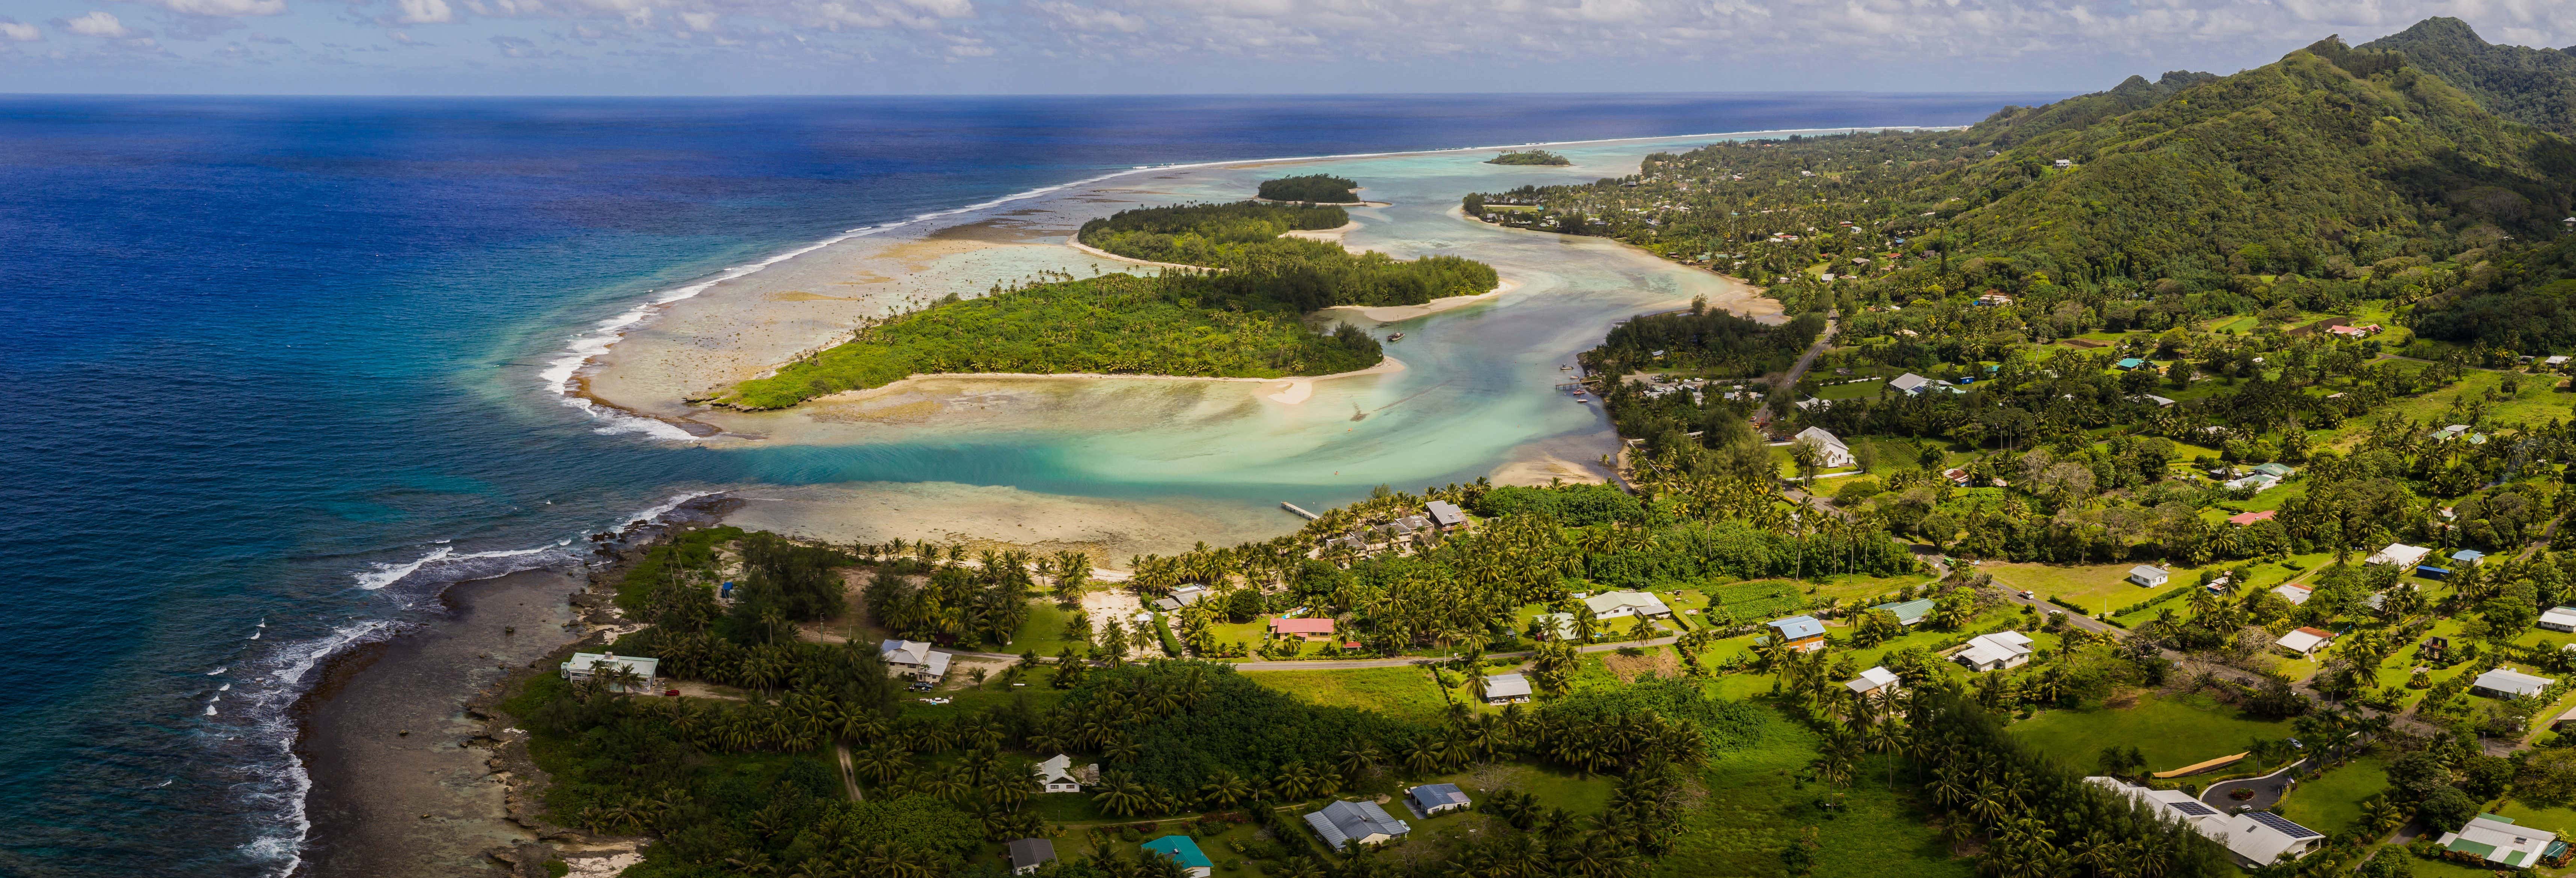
x: 1246, y: 321
x: 1324, y: 188
x: 2536, y: 87
x: 1529, y: 157
x: 2331, y: 176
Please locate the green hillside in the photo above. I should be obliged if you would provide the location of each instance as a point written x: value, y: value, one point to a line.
x: 2536, y: 87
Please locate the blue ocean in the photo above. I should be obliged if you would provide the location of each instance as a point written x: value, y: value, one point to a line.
x: 275, y: 368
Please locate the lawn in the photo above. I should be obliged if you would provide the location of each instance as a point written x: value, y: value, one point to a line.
x: 1757, y: 806
x: 2098, y: 588
x: 1404, y: 693
x: 2558, y: 820
x: 1044, y: 632
x: 1855, y: 390
x: 2331, y: 802
x: 2170, y: 732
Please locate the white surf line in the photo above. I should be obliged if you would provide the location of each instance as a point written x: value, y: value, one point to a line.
x: 559, y: 373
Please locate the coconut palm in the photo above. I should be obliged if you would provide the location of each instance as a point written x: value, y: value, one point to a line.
x: 1224, y: 789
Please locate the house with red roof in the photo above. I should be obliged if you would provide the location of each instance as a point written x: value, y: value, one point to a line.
x: 2252, y: 517
x: 1310, y: 629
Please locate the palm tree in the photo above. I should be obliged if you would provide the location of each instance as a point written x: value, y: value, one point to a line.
x: 1359, y: 759
x: 1224, y: 789
x: 1120, y: 796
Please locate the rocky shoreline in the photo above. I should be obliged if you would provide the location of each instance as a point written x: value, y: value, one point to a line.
x: 416, y: 770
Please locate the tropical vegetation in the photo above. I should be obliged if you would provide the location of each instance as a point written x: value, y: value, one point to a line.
x: 1320, y: 188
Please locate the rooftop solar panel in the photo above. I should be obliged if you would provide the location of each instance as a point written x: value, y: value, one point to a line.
x: 2283, y: 824
x: 2195, y: 809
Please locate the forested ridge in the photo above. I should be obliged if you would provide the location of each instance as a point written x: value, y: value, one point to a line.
x: 2213, y: 194
x: 2536, y: 87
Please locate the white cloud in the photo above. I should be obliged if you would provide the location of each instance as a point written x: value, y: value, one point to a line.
x: 222, y: 8
x: 424, y: 12
x: 20, y: 32
x: 96, y: 24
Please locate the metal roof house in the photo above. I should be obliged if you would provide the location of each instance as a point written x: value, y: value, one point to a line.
x: 2128, y: 363
x: 1028, y: 854
x: 2497, y: 840
x: 1506, y: 689
x: 1910, y: 383
x: 2305, y: 641
x: 2400, y: 554
x: 914, y: 659
x: 1802, y: 633
x: 1306, y: 628
x: 2469, y: 557
x: 1995, y: 652
x: 1181, y: 597
x: 1878, y: 679
x: 2507, y: 683
x: 1429, y: 799
x: 1909, y: 612
x: 2559, y: 619
x: 1057, y: 775
x: 1445, y: 515
x: 1184, y: 851
x: 584, y: 665
x: 1622, y: 604
x: 1830, y: 450
x: 2147, y: 575
x: 1343, y: 824
x: 2254, y: 838
x: 2293, y: 592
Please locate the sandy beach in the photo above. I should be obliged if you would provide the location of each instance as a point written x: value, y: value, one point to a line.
x: 988, y: 516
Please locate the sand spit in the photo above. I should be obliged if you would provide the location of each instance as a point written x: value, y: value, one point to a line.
x: 1111, y: 530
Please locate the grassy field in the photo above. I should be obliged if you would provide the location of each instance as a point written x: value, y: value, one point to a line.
x: 1044, y: 632
x: 1404, y: 693
x: 1757, y: 805
x: 1855, y: 390
x: 2171, y: 733
x: 2331, y: 802
x: 2098, y: 588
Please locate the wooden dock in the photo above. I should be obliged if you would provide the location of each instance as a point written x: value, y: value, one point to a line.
x: 1292, y: 507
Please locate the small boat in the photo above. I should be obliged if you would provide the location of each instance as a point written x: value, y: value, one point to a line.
x: 1565, y: 368
x: 1584, y: 401
x: 1396, y: 337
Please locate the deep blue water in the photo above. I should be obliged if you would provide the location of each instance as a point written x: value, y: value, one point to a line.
x: 264, y: 351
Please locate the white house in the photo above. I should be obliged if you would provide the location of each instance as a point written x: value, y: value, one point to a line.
x: 1878, y: 679
x: 1622, y: 604
x: 2559, y: 619
x: 584, y: 665
x: 2255, y: 838
x: 913, y: 659
x: 2293, y: 592
x: 1507, y: 689
x: 1910, y: 383
x: 2147, y: 575
x: 2497, y: 840
x: 1995, y: 652
x: 2306, y: 641
x: 1058, y: 775
x: 2508, y: 683
x: 2400, y: 554
x: 1829, y: 448
x: 1343, y: 824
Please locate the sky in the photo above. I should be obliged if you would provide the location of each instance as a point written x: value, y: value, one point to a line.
x: 695, y: 47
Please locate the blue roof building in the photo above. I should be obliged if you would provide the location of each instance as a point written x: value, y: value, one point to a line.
x: 1343, y: 824
x: 1184, y: 852
x: 1909, y: 612
x: 1800, y: 632
x: 2129, y: 363
x: 2468, y: 556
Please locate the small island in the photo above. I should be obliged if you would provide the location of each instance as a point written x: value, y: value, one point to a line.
x: 1529, y: 157
x: 1244, y: 317
x: 1311, y: 188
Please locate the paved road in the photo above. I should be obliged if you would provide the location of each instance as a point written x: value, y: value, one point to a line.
x: 1348, y: 664
x: 1781, y: 392
x: 2268, y: 790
